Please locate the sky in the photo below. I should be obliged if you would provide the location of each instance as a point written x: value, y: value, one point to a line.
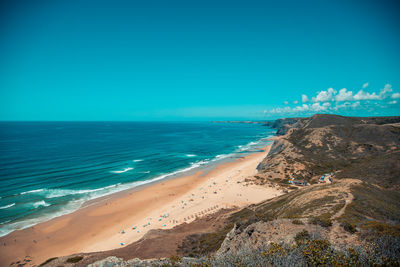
x: 197, y: 60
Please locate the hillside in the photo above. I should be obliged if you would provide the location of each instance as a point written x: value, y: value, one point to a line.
x: 362, y: 148
x: 353, y: 221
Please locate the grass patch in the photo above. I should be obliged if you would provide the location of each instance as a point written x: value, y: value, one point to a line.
x: 381, y: 228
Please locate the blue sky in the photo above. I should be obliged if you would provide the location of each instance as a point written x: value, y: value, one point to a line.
x: 197, y: 60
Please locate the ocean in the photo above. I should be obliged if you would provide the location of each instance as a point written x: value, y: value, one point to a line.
x: 48, y: 169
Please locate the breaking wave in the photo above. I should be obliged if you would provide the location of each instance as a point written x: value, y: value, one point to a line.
x: 124, y: 170
x: 7, y: 206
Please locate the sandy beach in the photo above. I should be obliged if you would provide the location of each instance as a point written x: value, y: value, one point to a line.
x: 123, y: 218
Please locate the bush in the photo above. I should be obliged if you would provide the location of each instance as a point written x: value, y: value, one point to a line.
x: 311, y: 252
x: 175, y: 259
x: 298, y: 222
x: 302, y: 236
x: 348, y: 227
x: 74, y: 259
x: 323, y: 221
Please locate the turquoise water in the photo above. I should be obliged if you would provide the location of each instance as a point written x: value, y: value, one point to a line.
x: 51, y: 168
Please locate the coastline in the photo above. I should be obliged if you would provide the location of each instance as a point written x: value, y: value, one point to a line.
x: 98, y: 225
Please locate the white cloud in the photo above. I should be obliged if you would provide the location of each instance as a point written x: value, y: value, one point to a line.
x: 301, y: 108
x: 331, y: 100
x: 344, y: 95
x: 316, y: 107
x: 325, y: 96
x: 281, y: 110
x: 361, y: 95
x: 286, y: 102
x: 395, y: 95
x: 342, y: 106
x: 388, y: 88
x: 365, y: 85
x: 319, y: 107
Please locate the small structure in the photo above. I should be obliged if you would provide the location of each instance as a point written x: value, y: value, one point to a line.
x: 294, y: 181
x: 326, y: 178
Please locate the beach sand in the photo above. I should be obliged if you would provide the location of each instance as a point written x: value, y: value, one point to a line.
x: 122, y: 218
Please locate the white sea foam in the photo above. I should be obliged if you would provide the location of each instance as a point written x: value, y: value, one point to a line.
x: 137, y: 160
x: 31, y: 191
x: 40, y: 203
x: 52, y: 193
x: 222, y: 156
x: 190, y: 155
x: 7, y: 206
x: 7, y: 227
x: 124, y: 170
x: 250, y: 145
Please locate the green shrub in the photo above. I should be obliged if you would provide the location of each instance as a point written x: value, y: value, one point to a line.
x: 74, y: 259
x: 317, y: 252
x: 298, y: 222
x: 323, y: 221
x: 175, y: 259
x: 348, y: 227
x: 302, y: 236
x: 273, y: 249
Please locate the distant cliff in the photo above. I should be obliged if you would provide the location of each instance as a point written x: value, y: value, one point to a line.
x: 282, y: 125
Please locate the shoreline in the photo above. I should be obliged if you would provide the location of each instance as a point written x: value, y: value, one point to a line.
x: 107, y: 223
x: 200, y: 166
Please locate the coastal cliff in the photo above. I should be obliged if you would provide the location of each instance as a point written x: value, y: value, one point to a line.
x: 352, y: 220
